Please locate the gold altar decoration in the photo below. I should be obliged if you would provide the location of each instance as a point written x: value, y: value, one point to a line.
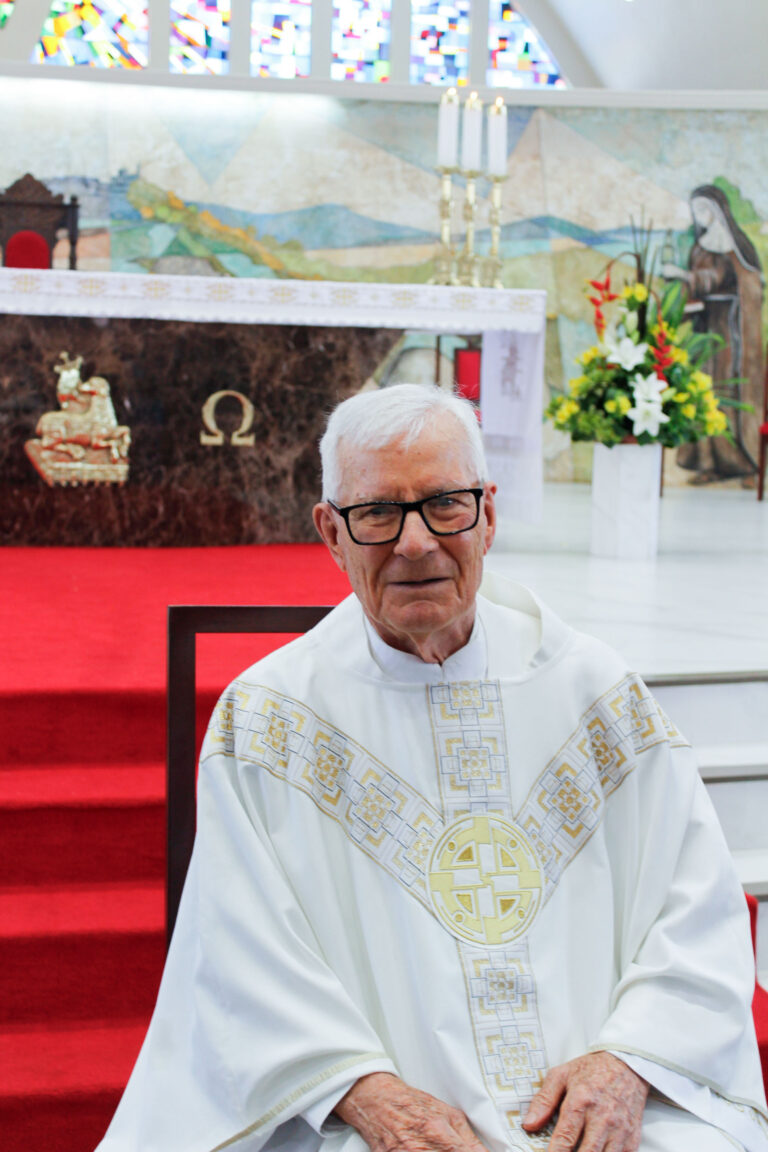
x: 214, y: 437
x: 82, y: 443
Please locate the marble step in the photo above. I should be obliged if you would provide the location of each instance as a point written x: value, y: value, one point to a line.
x: 713, y: 712
x: 733, y: 762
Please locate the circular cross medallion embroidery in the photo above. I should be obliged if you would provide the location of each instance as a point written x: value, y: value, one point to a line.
x: 484, y: 880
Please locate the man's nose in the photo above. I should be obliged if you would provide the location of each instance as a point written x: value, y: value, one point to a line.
x: 415, y: 538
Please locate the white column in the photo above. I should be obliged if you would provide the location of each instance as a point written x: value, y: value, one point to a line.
x: 478, y: 43
x: 400, y: 43
x: 159, y: 12
x: 240, y: 38
x: 322, y: 19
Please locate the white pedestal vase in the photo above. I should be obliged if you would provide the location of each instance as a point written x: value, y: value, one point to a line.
x: 626, y: 481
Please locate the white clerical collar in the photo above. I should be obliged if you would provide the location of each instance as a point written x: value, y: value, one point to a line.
x: 468, y: 663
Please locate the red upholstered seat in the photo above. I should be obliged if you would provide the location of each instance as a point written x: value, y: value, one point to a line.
x: 760, y: 1000
x: 27, y: 249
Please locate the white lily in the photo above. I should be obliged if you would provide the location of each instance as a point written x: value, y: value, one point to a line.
x: 648, y: 387
x: 626, y: 353
x: 647, y: 414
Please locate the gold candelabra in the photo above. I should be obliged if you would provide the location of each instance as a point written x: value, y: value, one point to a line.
x: 467, y: 263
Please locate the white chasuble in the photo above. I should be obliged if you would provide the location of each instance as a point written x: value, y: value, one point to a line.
x: 464, y: 883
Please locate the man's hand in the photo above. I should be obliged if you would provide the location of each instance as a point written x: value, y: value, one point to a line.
x: 391, y: 1117
x: 601, y: 1102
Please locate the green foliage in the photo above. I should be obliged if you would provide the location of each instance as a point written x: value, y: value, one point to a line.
x: 744, y: 211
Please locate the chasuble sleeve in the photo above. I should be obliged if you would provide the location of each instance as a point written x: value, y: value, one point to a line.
x: 685, y: 970
x: 251, y: 1026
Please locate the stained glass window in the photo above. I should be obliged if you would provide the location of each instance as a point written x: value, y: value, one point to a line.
x: 103, y: 34
x: 517, y: 58
x: 6, y: 7
x: 200, y: 36
x: 360, y: 40
x: 439, y: 41
x: 280, y: 38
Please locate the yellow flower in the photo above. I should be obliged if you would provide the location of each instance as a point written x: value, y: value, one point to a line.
x: 682, y: 397
x: 588, y: 355
x: 715, y: 424
x: 576, y: 385
x: 620, y: 404
x: 679, y: 355
x: 710, y: 401
x: 637, y: 292
x: 689, y: 411
x: 566, y: 409
x: 699, y: 382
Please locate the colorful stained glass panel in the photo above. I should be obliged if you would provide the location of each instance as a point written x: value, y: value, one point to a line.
x: 440, y: 41
x: 281, y: 38
x: 101, y: 34
x: 517, y: 57
x: 200, y: 36
x: 360, y: 38
x: 6, y: 7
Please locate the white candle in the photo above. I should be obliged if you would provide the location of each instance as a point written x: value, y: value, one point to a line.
x: 448, y: 130
x: 472, y: 134
x: 497, y: 138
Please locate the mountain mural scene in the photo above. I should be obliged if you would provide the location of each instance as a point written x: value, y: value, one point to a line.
x: 240, y: 184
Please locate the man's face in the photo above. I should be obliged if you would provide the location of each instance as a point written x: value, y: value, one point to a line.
x: 419, y: 591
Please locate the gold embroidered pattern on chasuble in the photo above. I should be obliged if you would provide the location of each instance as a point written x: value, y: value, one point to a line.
x: 486, y: 884
x: 480, y: 869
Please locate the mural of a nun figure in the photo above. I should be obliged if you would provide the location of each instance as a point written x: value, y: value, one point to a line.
x: 725, y: 293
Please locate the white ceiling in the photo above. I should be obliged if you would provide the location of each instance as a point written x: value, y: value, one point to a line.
x: 656, y: 44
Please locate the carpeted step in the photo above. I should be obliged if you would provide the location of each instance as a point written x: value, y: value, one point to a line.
x: 77, y: 954
x: 83, y: 825
x: 81, y: 727
x: 59, y: 1087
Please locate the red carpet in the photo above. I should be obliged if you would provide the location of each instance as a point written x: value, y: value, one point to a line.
x: 82, y: 715
x: 82, y: 709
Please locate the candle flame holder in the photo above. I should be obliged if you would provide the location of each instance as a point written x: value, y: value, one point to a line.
x: 445, y: 257
x: 493, y: 265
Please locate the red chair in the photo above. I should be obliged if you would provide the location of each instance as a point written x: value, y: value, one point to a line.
x: 759, y: 1000
x: 31, y: 217
x: 27, y: 249
x: 466, y: 362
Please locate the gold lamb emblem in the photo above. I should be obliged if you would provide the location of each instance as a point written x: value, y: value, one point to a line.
x: 485, y: 880
x: 82, y: 442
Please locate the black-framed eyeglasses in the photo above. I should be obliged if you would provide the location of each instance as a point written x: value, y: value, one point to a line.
x: 381, y: 522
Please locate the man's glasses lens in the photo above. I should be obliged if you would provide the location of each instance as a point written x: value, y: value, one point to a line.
x: 445, y: 514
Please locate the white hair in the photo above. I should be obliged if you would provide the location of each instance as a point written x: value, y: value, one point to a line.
x: 401, y: 412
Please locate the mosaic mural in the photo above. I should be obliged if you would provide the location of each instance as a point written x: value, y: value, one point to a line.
x: 200, y: 36
x: 517, y: 57
x: 360, y: 36
x: 281, y: 38
x: 294, y: 186
x: 6, y: 7
x: 101, y: 34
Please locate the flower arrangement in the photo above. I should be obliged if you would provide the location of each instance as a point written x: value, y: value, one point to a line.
x: 642, y: 381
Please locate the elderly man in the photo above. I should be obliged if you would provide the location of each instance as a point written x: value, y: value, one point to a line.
x: 456, y: 886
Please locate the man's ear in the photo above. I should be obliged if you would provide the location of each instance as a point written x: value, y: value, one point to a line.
x: 327, y: 525
x: 489, y: 507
